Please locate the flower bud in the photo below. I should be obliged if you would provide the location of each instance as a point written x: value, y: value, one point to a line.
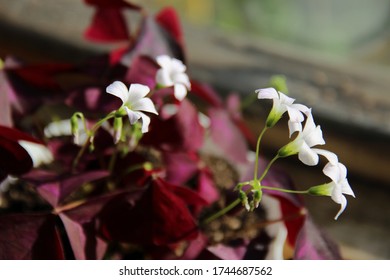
x: 257, y: 195
x: 244, y: 200
x: 118, y: 124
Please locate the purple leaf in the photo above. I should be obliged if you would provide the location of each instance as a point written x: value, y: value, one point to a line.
x: 181, y: 132
x: 81, y: 227
x: 227, y: 136
x: 314, y: 244
x: 153, y: 41
x: 55, y: 192
x: 180, y: 166
x: 142, y: 71
x: 29, y: 236
x: 206, y: 186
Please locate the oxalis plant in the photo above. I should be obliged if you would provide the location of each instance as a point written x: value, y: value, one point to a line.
x: 125, y: 156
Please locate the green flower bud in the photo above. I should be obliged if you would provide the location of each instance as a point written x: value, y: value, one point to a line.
x: 244, y: 200
x: 257, y: 195
x: 118, y: 124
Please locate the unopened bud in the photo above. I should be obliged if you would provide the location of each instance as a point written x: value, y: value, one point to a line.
x: 118, y: 124
x: 244, y: 200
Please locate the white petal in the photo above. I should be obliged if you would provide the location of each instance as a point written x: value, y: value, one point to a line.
x: 163, y: 78
x: 285, y: 99
x: 164, y: 61
x: 182, y: 78
x: 180, y: 91
x: 119, y: 90
x: 177, y: 66
x: 144, y: 104
x: 346, y: 188
x: 38, y: 153
x: 307, y: 156
x: 295, y: 115
x: 145, y: 122
x: 314, y: 137
x: 267, y: 93
x: 293, y: 127
x: 304, y: 109
x: 332, y: 171
x: 331, y: 157
x: 343, y: 203
x: 136, y: 92
x: 133, y: 116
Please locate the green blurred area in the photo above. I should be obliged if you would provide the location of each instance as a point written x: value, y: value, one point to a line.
x: 343, y: 27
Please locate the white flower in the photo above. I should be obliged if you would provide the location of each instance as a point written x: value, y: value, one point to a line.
x: 64, y: 128
x: 303, y: 144
x: 38, y: 152
x: 134, y: 101
x: 337, y: 188
x: 281, y: 104
x: 172, y: 73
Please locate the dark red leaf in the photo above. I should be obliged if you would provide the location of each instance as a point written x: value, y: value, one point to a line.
x: 108, y: 25
x: 29, y: 236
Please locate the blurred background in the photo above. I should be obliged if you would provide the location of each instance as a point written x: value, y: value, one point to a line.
x: 334, y: 54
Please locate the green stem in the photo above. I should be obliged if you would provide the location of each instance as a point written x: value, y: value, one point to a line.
x: 221, y: 212
x: 267, y: 168
x: 284, y: 190
x: 91, y: 133
x: 257, y: 152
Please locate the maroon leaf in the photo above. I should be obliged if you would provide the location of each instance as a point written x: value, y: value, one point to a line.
x: 14, y: 158
x: 29, y: 236
x: 160, y: 217
x: 31, y: 86
x: 55, y: 192
x: 314, y: 244
x: 108, y: 25
x: 142, y: 71
x: 81, y: 227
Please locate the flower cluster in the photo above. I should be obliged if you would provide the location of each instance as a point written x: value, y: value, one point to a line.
x: 305, y: 144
